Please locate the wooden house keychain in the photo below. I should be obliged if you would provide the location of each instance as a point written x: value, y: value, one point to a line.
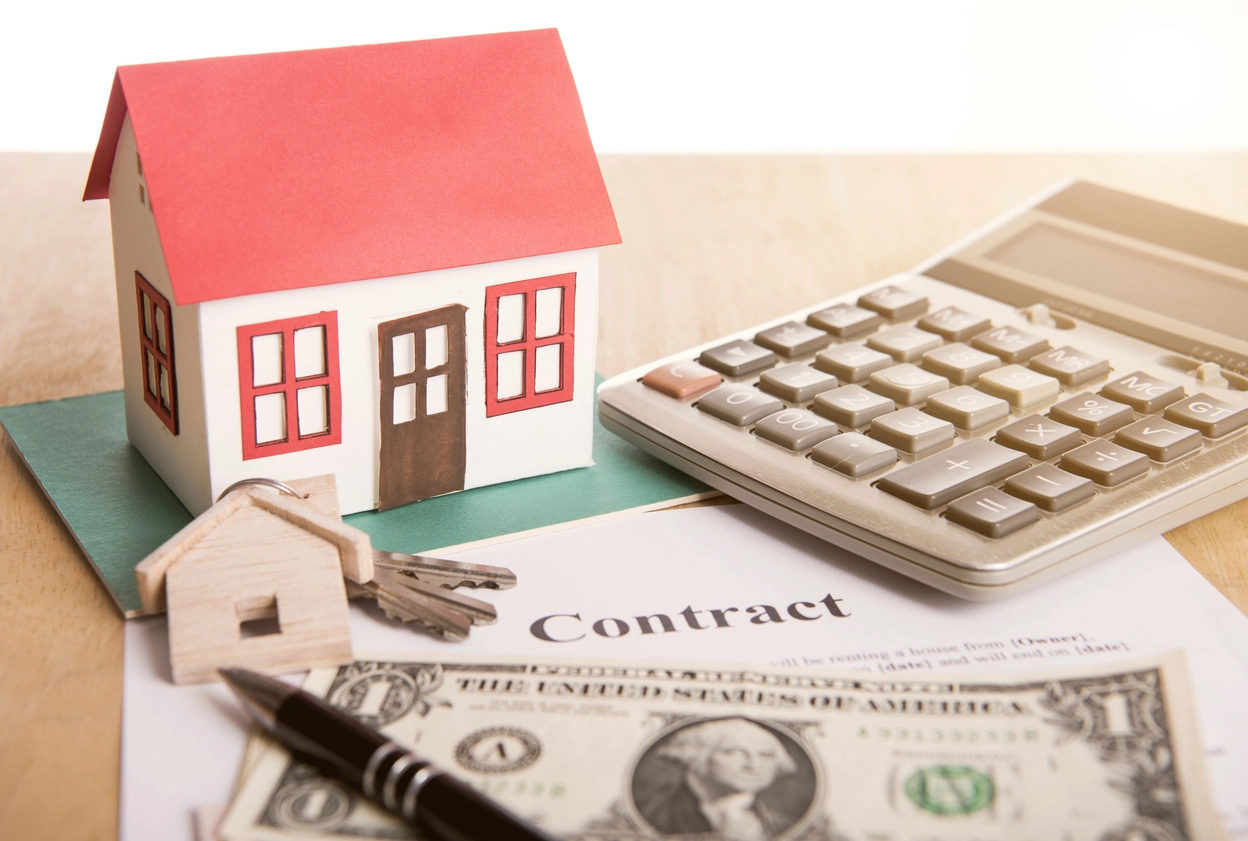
x: 257, y: 581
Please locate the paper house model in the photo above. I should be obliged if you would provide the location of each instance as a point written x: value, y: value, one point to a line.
x: 378, y: 261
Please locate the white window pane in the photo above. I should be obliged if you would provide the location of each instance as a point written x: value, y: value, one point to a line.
x: 164, y: 386
x: 310, y: 352
x: 147, y: 314
x: 435, y: 346
x: 270, y: 418
x: 405, y: 403
x: 548, y: 376
x: 403, y: 348
x: 266, y: 359
x: 313, y: 411
x: 151, y: 371
x: 510, y: 318
x: 160, y: 332
x: 549, y: 312
x: 510, y: 374
x: 435, y: 395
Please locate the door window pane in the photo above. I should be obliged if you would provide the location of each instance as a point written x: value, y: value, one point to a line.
x: 266, y: 359
x: 549, y: 375
x: 435, y: 346
x: 270, y: 418
x: 510, y: 374
x: 313, y: 411
x: 164, y: 386
x: 405, y: 403
x: 549, y: 313
x: 435, y: 395
x: 310, y: 352
x: 404, y: 349
x: 510, y: 318
x: 151, y: 371
x: 147, y: 315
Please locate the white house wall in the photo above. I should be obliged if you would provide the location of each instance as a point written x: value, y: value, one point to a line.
x: 181, y: 460
x: 499, y: 449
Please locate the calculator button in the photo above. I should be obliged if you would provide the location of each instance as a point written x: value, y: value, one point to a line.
x: 940, y: 479
x: 854, y: 454
x: 739, y: 405
x: 1143, y: 392
x: 908, y: 385
x: 960, y: 363
x: 992, y: 513
x: 967, y: 408
x: 852, y: 405
x: 1212, y: 417
x: 894, y: 302
x: 905, y: 344
x: 1039, y: 437
x: 1071, y: 366
x: 844, y: 320
x: 953, y: 324
x: 793, y: 339
x: 1105, y: 463
x: 795, y: 429
x: 911, y: 431
x: 1021, y: 387
x: 1010, y: 345
x: 796, y: 383
x: 1159, y: 439
x: 1092, y: 414
x: 852, y: 363
x: 1051, y: 489
x: 738, y: 358
x: 681, y: 379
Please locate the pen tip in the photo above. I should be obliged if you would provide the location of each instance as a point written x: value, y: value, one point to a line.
x: 262, y: 695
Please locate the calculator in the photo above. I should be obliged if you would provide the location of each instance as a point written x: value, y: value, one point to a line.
x: 1067, y: 380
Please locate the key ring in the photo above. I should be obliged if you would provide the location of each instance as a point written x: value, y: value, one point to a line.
x: 268, y: 483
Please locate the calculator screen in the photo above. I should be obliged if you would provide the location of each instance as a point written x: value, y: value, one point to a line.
x: 1154, y: 283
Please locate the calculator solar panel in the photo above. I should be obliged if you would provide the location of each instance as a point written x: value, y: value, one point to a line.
x: 1064, y: 382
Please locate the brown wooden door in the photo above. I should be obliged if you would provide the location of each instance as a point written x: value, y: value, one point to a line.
x: 422, y: 406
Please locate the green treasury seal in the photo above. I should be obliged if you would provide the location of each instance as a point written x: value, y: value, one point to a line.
x: 950, y: 790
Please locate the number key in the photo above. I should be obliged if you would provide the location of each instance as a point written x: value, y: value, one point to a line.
x: 911, y: 431
x: 961, y: 364
x: 905, y: 344
x: 852, y: 363
x: 796, y: 383
x: 908, y: 385
x: 739, y: 405
x: 795, y: 429
x: 1021, y: 387
x: 852, y: 405
x: 967, y: 408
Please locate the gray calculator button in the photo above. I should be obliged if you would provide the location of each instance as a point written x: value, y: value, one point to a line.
x: 739, y: 405
x: 942, y: 478
x: 1039, y: 437
x: 1105, y: 463
x: 1052, y: 489
x: 1009, y: 344
x: 796, y: 383
x: 738, y: 358
x: 1092, y: 414
x: 967, y: 408
x: 854, y: 454
x: 911, y: 431
x: 907, y: 385
x: 905, y: 344
x: 1021, y: 387
x: 894, y: 302
x: 1071, y: 366
x: 960, y: 363
x: 852, y: 363
x: 852, y: 405
x: 1159, y: 439
x: 844, y: 320
x: 795, y: 429
x: 954, y: 324
x: 793, y: 339
x: 1143, y: 392
x: 992, y: 513
x: 1212, y: 417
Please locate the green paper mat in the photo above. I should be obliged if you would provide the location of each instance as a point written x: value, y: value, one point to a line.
x: 119, y: 510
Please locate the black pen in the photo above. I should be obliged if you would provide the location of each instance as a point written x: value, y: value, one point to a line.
x: 441, y: 807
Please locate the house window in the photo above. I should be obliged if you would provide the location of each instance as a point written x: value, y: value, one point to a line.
x: 288, y: 385
x: 160, y: 390
x: 528, y: 343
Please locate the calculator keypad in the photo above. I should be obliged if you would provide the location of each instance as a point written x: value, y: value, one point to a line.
x: 1210, y: 416
x: 1009, y: 344
x: 953, y: 324
x: 792, y: 339
x: 959, y: 363
x: 1070, y: 366
x: 1049, y: 488
x: 738, y: 358
x: 1142, y: 392
x: 795, y: 429
x: 1159, y: 439
x: 852, y: 363
x: 852, y: 405
x: 894, y: 302
x: 1105, y: 463
x: 907, y: 385
x: 845, y: 320
x: 992, y: 513
x: 739, y: 405
x: 905, y: 344
x: 1019, y: 386
x: 682, y: 379
x: 941, y: 479
x: 911, y: 431
x: 1039, y: 437
x: 854, y: 454
x: 1091, y: 414
x: 967, y: 408
x: 796, y: 383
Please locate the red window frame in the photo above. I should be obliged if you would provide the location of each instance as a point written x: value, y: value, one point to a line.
x: 529, y: 398
x: 289, y: 385
x: 156, y: 307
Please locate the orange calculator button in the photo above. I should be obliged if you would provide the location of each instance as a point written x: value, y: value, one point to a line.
x: 682, y: 379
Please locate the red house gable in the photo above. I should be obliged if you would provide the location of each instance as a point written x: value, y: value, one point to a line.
x: 290, y: 170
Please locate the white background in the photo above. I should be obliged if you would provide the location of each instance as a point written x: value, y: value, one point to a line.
x: 898, y: 75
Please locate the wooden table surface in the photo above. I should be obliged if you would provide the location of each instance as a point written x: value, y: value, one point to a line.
x: 712, y: 244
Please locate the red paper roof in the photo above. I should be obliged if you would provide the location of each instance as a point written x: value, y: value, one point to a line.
x: 289, y: 170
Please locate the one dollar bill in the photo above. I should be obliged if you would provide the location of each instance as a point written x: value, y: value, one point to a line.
x: 598, y: 751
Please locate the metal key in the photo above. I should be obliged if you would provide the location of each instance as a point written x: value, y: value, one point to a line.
x: 445, y: 573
